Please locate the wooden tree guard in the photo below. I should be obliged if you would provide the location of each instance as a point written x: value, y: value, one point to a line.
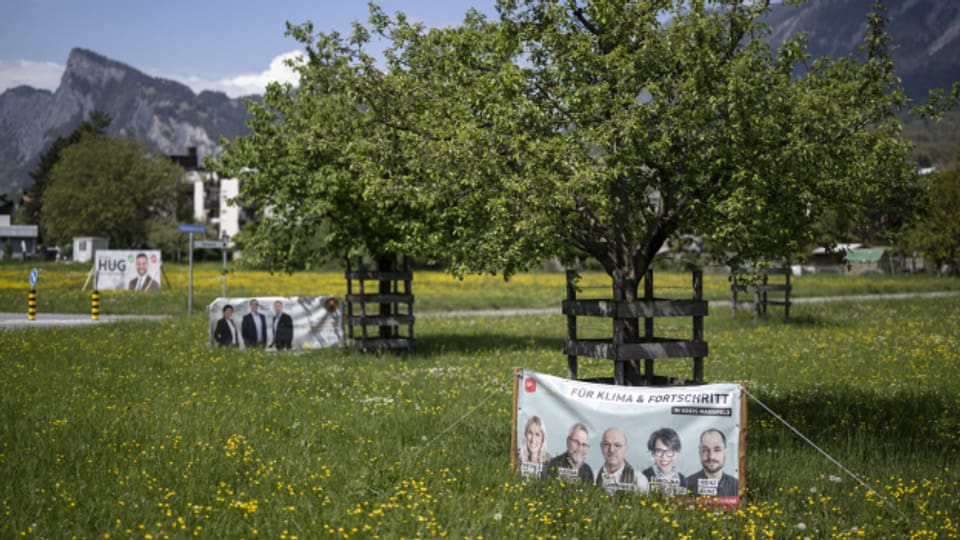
x: 627, y: 353
x: 760, y: 292
x: 380, y: 308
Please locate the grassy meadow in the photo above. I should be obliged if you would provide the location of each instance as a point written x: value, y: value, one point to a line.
x: 65, y: 288
x: 139, y: 430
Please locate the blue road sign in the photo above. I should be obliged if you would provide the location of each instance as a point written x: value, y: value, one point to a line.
x: 192, y: 228
x: 34, y: 276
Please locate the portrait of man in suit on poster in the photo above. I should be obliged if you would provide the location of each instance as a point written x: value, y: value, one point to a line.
x: 282, y: 327
x: 143, y: 281
x: 253, y: 328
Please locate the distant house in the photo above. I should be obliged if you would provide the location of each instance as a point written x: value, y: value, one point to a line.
x: 17, y: 241
x: 211, y: 195
x: 85, y: 247
x: 831, y: 260
x: 868, y: 261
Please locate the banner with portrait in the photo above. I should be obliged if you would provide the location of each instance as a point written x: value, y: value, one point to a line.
x: 288, y: 322
x: 684, y: 441
x: 132, y: 270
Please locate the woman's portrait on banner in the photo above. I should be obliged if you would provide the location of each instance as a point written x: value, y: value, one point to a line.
x: 533, y: 450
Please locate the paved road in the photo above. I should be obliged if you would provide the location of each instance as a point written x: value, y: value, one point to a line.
x: 47, y: 320
x: 713, y: 304
x: 19, y: 320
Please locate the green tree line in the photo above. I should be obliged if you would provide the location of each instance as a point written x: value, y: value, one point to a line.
x: 605, y: 130
x: 91, y: 184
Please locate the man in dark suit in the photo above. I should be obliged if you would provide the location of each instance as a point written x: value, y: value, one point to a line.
x: 143, y: 282
x: 226, y: 332
x: 711, y: 481
x: 253, y: 328
x: 282, y: 327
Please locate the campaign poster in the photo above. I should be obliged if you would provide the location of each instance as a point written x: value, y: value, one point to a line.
x: 132, y: 270
x: 686, y: 441
x: 288, y: 322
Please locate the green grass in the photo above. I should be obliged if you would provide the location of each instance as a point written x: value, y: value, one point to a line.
x: 61, y: 288
x: 138, y: 430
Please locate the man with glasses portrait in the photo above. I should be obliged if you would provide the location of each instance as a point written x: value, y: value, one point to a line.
x: 571, y: 465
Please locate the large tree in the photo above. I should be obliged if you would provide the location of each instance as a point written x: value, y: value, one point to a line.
x: 111, y: 187
x: 309, y: 160
x: 569, y: 127
x: 936, y: 231
x: 608, y: 127
x: 29, y: 212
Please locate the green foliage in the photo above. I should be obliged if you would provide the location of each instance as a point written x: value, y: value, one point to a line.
x: 301, y: 165
x: 935, y: 139
x: 162, y: 230
x: 567, y: 129
x: 110, y: 187
x: 595, y: 128
x: 33, y: 201
x: 936, y: 233
x: 880, y: 218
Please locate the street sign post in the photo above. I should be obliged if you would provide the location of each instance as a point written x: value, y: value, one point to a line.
x: 221, y: 245
x: 210, y: 244
x: 191, y: 229
x: 32, y: 297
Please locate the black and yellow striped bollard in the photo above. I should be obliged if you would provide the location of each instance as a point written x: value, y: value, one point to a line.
x: 95, y: 305
x: 32, y: 305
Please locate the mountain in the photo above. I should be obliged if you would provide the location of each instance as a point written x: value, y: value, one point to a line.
x: 925, y: 35
x: 172, y: 118
x: 167, y: 114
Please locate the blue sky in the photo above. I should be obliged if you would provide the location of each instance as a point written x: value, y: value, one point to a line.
x: 231, y: 46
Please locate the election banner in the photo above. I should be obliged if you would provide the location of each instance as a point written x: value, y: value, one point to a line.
x: 686, y: 441
x: 133, y: 270
x: 287, y: 322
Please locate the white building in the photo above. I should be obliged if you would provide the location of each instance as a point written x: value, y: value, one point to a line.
x: 85, y: 247
x: 211, y: 195
x: 17, y: 241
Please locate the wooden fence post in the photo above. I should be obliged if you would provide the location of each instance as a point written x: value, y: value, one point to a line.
x: 626, y: 351
x: 571, y: 324
x: 389, y: 298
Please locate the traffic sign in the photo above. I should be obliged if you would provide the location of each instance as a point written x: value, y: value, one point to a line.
x: 211, y: 244
x: 34, y: 276
x: 192, y: 228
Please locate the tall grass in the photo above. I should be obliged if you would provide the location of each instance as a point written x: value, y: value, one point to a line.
x: 61, y: 288
x: 138, y: 430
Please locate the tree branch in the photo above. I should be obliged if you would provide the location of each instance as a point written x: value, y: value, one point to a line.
x: 592, y: 28
x: 739, y: 26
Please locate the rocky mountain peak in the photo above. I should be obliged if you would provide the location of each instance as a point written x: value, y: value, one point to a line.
x: 924, y: 34
x: 166, y: 114
x: 94, y: 69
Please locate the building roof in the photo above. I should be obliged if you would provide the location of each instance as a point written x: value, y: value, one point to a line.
x: 865, y: 255
x: 18, y: 231
x: 839, y: 248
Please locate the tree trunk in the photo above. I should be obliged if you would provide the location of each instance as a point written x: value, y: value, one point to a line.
x: 625, y: 287
x: 386, y: 263
x: 629, y: 287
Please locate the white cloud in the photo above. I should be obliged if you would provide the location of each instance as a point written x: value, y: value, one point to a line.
x: 46, y: 75
x: 43, y: 75
x: 245, y: 84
